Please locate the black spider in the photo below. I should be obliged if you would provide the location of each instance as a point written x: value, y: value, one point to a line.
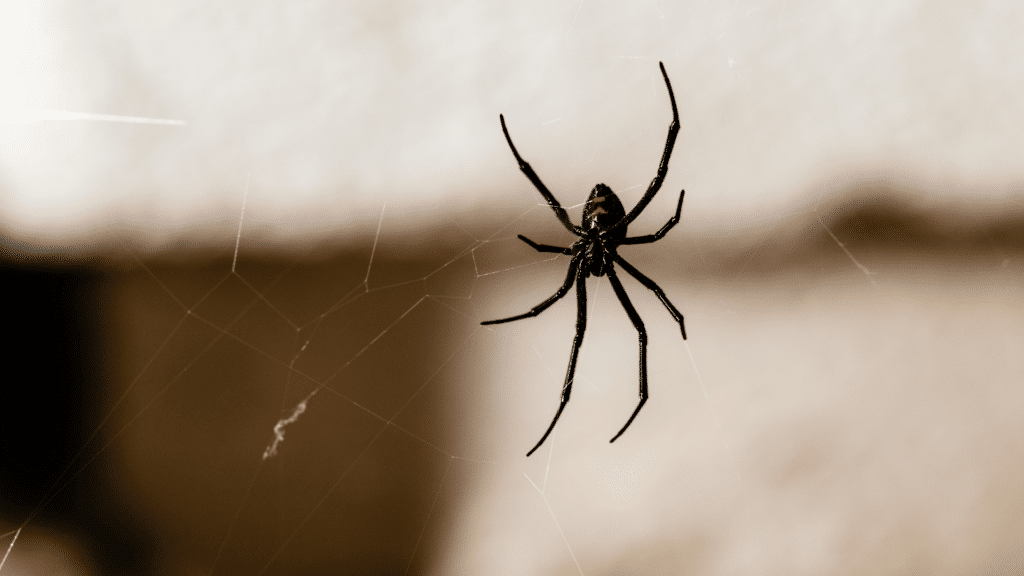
x: 595, y: 253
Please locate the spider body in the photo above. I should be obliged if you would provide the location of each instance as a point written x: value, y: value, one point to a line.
x: 600, y: 214
x: 602, y: 231
x: 603, y: 211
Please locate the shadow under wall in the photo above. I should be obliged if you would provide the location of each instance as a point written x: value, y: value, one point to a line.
x: 183, y: 369
x: 56, y: 335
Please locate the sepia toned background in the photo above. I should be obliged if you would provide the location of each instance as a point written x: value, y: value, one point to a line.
x: 247, y: 248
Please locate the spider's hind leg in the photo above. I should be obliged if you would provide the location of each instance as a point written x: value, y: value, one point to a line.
x: 581, y: 327
x: 653, y: 287
x: 647, y: 239
x: 569, y: 279
x: 546, y: 247
x: 642, y: 333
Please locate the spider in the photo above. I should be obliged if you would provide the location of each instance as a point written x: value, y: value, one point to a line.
x: 602, y: 231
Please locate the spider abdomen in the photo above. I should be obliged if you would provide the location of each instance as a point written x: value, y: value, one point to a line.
x: 602, y: 211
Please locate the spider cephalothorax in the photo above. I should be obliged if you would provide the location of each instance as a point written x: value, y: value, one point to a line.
x: 602, y: 231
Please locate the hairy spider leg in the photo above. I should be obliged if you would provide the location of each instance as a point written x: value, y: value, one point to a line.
x: 545, y: 247
x: 653, y: 287
x: 574, y: 264
x: 560, y: 212
x: 673, y: 130
x: 639, y: 325
x: 664, y: 229
x: 581, y: 327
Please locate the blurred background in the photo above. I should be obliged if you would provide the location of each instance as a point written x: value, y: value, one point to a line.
x: 248, y: 248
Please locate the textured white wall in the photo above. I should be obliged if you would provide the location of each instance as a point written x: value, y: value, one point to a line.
x: 331, y: 108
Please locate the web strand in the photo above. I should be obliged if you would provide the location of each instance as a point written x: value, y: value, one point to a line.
x: 241, y: 218
x: 10, y: 546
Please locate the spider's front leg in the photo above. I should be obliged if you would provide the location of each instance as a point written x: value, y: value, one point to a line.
x: 670, y: 142
x: 525, y: 167
x: 581, y: 327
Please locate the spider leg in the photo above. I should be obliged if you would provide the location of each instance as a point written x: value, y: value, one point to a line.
x: 660, y: 233
x: 560, y: 212
x: 581, y: 327
x: 545, y: 247
x: 653, y: 287
x: 673, y: 130
x: 639, y: 325
x: 569, y: 279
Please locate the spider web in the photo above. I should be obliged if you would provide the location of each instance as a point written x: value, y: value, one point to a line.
x: 343, y: 406
x: 308, y: 412
x: 853, y: 362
